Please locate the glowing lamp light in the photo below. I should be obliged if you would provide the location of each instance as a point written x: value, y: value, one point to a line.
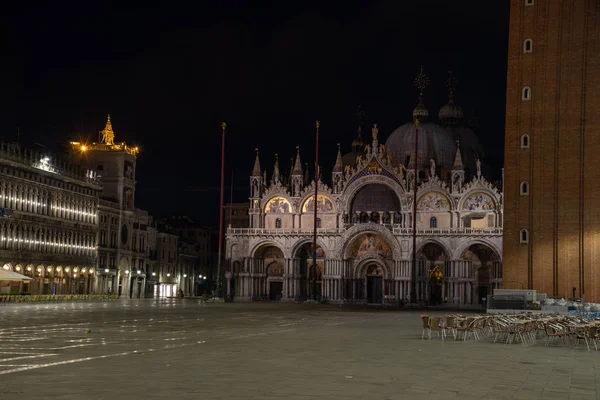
x: 83, y: 147
x: 185, y: 275
x: 49, y: 269
x: 39, y: 269
x: 6, y: 266
x: 83, y: 270
x: 139, y: 272
x: 91, y: 270
x: 75, y: 269
x: 18, y: 268
x: 106, y: 270
x: 154, y: 274
x: 28, y: 268
x: 168, y: 274
x: 126, y: 272
x: 58, y: 269
x: 67, y: 269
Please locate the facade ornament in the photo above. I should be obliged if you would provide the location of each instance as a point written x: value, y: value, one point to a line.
x: 432, y: 167
x: 478, y: 163
x: 374, y: 132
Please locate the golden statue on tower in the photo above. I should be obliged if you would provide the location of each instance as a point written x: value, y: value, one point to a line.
x: 108, y: 136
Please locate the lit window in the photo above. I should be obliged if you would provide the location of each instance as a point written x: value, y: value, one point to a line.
x: 527, y: 46
x: 526, y: 93
x: 524, y: 189
x: 524, y: 236
x: 433, y: 222
x: 525, y: 141
x: 278, y: 223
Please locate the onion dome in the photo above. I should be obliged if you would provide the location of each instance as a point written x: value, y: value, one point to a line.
x: 420, y: 112
x: 451, y: 113
x: 358, y: 142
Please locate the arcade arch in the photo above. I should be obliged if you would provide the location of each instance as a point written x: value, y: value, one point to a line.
x: 485, y: 268
x: 433, y: 266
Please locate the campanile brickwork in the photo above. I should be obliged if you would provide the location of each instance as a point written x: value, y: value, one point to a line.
x: 560, y: 162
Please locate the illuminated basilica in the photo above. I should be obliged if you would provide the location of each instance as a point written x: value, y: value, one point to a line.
x: 365, y: 223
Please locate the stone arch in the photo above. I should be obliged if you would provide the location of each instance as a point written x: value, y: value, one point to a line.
x: 351, y: 234
x: 297, y: 246
x: 425, y: 242
x: 29, y: 270
x: 352, y: 190
x: 485, y: 267
x: 458, y: 253
x: 123, y: 264
x: 360, y: 271
x: 254, y: 250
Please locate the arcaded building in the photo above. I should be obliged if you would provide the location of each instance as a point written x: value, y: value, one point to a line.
x: 551, y: 241
x: 364, y: 224
x: 48, y: 222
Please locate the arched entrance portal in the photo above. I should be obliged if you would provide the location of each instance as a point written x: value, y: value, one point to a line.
x: 310, y: 274
x: 273, y: 263
x: 432, y: 260
x: 374, y: 284
x: 486, y: 267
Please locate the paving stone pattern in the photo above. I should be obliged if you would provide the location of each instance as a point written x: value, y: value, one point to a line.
x: 162, y: 349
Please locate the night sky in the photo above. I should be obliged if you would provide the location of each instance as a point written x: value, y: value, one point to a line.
x: 169, y: 75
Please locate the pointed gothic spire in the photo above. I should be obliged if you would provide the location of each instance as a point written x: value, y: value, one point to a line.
x: 256, y: 169
x: 458, y: 158
x: 339, y: 166
x: 276, y: 174
x: 297, y: 165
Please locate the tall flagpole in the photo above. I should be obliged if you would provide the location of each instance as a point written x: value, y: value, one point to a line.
x: 313, y: 283
x: 223, y: 126
x: 421, y: 82
x: 413, y: 283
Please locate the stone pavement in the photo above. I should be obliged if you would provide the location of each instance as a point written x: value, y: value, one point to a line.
x: 181, y: 349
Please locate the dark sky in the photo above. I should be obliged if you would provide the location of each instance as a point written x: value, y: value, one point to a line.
x: 168, y: 75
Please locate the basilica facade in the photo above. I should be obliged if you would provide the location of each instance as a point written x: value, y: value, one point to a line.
x: 365, y: 223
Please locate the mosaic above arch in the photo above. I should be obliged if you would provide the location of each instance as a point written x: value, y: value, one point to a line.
x: 278, y: 205
x: 324, y: 204
x: 433, y: 201
x: 479, y: 201
x: 370, y: 244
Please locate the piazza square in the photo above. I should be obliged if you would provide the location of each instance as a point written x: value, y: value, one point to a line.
x: 185, y: 349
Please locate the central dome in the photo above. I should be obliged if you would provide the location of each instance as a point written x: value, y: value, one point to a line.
x: 435, y: 143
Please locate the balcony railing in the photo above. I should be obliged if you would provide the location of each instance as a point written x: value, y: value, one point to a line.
x: 396, y: 229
